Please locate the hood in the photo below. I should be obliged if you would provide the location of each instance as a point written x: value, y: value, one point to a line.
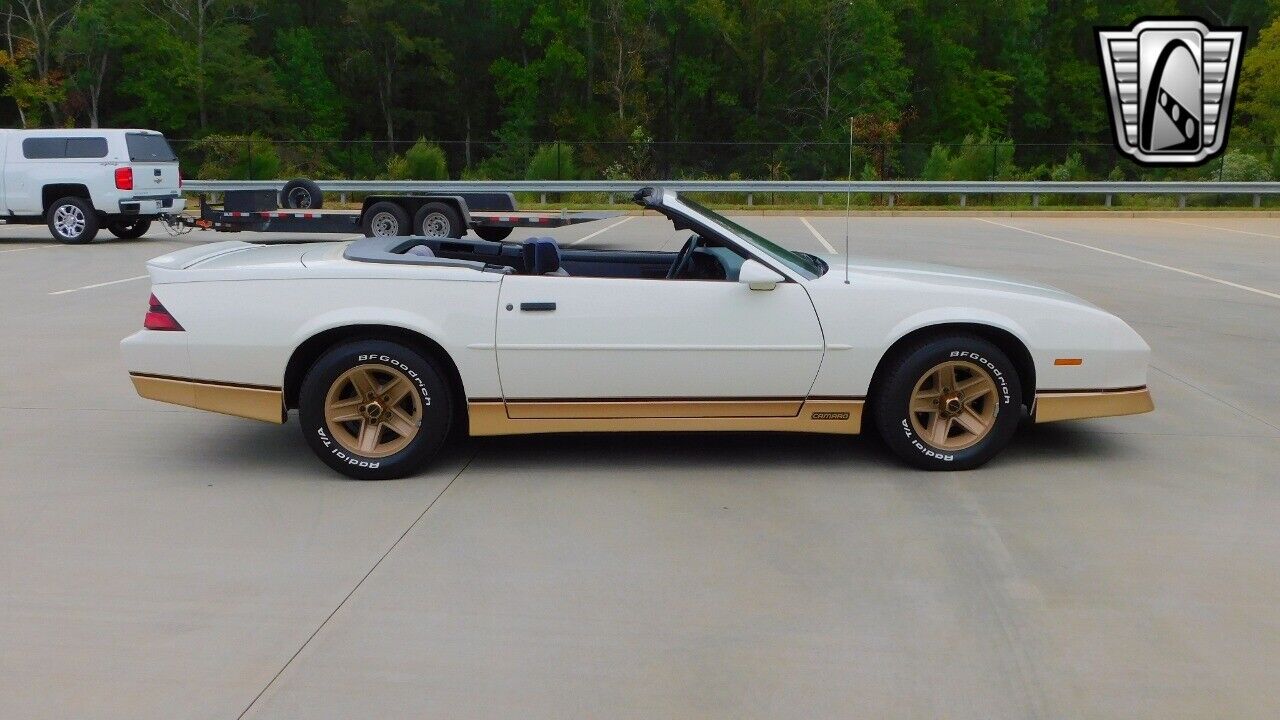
x: 956, y: 277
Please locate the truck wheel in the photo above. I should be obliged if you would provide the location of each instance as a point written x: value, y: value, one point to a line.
x: 301, y: 194
x: 437, y: 220
x: 72, y: 220
x: 385, y: 219
x: 129, y: 228
x: 950, y: 403
x: 375, y: 410
x: 493, y: 234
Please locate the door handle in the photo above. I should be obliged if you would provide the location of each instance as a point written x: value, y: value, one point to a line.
x: 537, y: 307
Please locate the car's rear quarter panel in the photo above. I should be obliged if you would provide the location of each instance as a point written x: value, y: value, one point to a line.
x: 244, y: 331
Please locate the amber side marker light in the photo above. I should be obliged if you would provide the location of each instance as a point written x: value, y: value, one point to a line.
x: 1069, y: 361
x: 158, y: 318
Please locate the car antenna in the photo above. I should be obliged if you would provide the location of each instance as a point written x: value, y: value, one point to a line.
x: 848, y: 202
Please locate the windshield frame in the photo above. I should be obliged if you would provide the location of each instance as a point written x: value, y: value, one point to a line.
x: 790, y: 264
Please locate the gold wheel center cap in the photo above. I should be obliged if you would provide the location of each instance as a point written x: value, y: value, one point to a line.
x: 373, y: 411
x: 952, y: 406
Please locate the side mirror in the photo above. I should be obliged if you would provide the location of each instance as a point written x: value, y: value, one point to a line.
x: 758, y: 277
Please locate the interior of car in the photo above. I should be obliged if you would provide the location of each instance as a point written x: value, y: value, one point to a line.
x: 698, y: 259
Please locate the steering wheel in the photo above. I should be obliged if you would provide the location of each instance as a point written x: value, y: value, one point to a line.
x: 682, y: 259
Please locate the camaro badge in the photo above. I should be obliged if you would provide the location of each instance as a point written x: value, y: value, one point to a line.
x: 1171, y: 83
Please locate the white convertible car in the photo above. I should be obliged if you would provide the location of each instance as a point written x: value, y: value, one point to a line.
x: 384, y: 345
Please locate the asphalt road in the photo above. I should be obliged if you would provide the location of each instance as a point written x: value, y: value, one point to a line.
x: 163, y: 563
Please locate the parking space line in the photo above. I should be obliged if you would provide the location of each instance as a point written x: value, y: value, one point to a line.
x: 98, y: 285
x: 1215, y: 227
x: 33, y: 247
x: 1170, y: 268
x: 818, y: 235
x: 603, y: 230
x: 359, y: 583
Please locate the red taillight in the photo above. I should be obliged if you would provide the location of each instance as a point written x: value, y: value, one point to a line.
x: 124, y: 178
x: 158, y: 318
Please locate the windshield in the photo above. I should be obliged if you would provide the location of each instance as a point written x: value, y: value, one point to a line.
x: 146, y: 147
x: 806, y: 265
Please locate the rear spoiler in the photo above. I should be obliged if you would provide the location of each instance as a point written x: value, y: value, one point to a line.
x: 185, y: 258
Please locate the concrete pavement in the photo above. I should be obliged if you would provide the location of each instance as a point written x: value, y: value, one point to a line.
x: 158, y: 562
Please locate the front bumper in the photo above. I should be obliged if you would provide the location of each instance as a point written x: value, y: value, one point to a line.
x: 169, y: 204
x: 1054, y: 406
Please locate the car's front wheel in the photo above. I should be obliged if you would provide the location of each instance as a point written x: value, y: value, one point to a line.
x: 948, y: 403
x: 375, y: 410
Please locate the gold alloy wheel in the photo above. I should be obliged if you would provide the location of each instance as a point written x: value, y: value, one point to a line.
x: 373, y: 410
x: 953, y: 406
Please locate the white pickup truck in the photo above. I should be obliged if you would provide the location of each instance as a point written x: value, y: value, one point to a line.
x: 79, y: 181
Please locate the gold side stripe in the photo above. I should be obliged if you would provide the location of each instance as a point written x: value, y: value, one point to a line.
x: 653, y: 409
x: 257, y: 403
x: 1054, y: 406
x: 490, y: 417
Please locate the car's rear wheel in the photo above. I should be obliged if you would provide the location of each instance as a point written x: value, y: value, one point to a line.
x: 949, y: 403
x: 129, y: 228
x: 375, y: 410
x: 72, y: 220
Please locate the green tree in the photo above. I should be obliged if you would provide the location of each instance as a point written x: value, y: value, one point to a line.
x: 423, y: 161
x: 1259, y: 103
x: 394, y: 43
x: 314, y: 107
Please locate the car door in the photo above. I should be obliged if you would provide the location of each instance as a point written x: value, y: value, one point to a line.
x: 650, y: 348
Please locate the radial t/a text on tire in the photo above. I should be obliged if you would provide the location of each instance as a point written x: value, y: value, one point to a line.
x: 375, y: 410
x: 948, y: 403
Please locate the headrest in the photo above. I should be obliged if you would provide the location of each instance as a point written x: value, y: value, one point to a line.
x: 541, y: 256
x: 421, y: 250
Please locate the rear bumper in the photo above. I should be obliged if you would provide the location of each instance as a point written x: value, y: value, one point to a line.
x: 1054, y: 406
x: 247, y: 401
x: 152, y: 204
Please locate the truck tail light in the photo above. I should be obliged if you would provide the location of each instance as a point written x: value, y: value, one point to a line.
x: 124, y: 178
x: 158, y: 318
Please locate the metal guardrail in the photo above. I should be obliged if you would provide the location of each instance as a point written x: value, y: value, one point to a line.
x: 963, y: 188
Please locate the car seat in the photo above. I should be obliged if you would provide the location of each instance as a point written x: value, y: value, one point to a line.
x: 542, y: 257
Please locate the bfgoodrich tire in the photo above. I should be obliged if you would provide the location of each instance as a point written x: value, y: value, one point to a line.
x: 375, y: 410
x: 72, y: 221
x: 948, y: 403
x: 386, y: 219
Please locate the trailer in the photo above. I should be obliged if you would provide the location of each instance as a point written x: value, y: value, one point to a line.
x: 491, y: 216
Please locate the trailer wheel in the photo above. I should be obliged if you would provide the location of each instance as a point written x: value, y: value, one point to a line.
x: 385, y: 219
x: 301, y: 194
x: 493, y: 234
x: 436, y: 219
